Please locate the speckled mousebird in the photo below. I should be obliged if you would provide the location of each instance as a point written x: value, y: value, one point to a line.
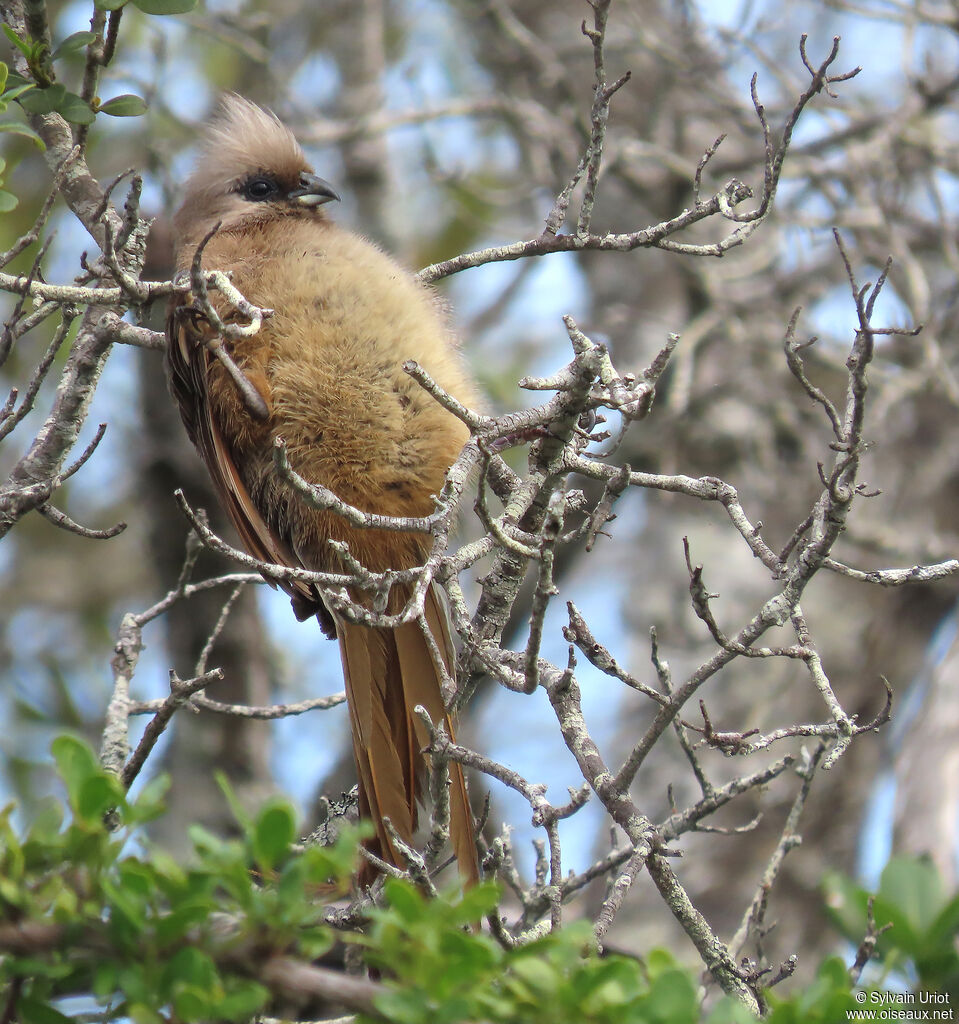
x: 328, y: 368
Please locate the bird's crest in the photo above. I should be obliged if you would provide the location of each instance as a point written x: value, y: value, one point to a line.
x: 244, y: 138
x: 241, y: 140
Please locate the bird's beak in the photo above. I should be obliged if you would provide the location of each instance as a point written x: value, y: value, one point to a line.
x: 313, y: 191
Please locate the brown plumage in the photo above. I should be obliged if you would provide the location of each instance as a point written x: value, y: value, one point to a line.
x: 328, y: 366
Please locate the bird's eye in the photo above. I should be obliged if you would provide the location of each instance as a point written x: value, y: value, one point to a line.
x: 259, y: 189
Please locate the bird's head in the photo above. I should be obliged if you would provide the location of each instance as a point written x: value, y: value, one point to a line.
x: 250, y: 169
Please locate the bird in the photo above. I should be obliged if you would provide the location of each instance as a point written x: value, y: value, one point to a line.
x: 324, y: 374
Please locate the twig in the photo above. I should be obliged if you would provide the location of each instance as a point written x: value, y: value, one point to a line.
x: 788, y: 840
x: 180, y: 692
x: 266, y: 713
x: 867, y: 948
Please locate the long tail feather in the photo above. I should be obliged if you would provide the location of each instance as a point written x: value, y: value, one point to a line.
x: 388, y: 672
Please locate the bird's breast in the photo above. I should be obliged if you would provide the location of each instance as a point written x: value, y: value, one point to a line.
x: 346, y: 318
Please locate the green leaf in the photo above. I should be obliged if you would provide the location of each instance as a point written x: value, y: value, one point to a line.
x: 14, y: 91
x: 405, y: 901
x: 110, y: 5
x: 192, y: 1003
x: 75, y: 109
x: 165, y: 6
x: 8, y: 201
x: 127, y: 915
x: 845, y: 904
x: 104, y: 981
x: 126, y: 105
x: 231, y: 798
x: 243, y: 999
x: 275, y: 830
x: 75, y: 764
x: 192, y: 967
x: 226, y: 860
x: 193, y: 982
x: 336, y: 862
x: 22, y: 129
x: 673, y: 998
x: 170, y: 875
x: 4, y: 71
x: 912, y: 885
x: 538, y: 974
x: 659, y: 961
x: 14, y: 78
x: 205, y: 841
x: 835, y: 973
x: 74, y: 43
x: 64, y: 906
x: 174, y: 926
x: 946, y: 924
x: 404, y: 1007
x: 477, y: 902
x: 21, y: 44
x: 43, y: 101
x: 139, y: 1012
x: 36, y: 1011
x: 97, y: 795
x: 731, y: 1011
x: 137, y: 879
x: 10, y: 892
x: 149, y: 803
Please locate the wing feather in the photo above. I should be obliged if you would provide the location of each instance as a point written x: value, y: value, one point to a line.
x: 188, y: 362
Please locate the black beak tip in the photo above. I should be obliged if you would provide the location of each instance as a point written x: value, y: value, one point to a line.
x: 314, y: 191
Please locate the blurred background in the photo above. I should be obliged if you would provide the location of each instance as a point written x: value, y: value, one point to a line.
x: 449, y: 125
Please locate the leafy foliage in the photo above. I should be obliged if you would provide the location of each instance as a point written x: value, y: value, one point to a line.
x: 8, y: 93
x: 921, y: 944
x: 446, y: 974
x: 139, y: 931
x: 86, y: 906
x: 42, y: 94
